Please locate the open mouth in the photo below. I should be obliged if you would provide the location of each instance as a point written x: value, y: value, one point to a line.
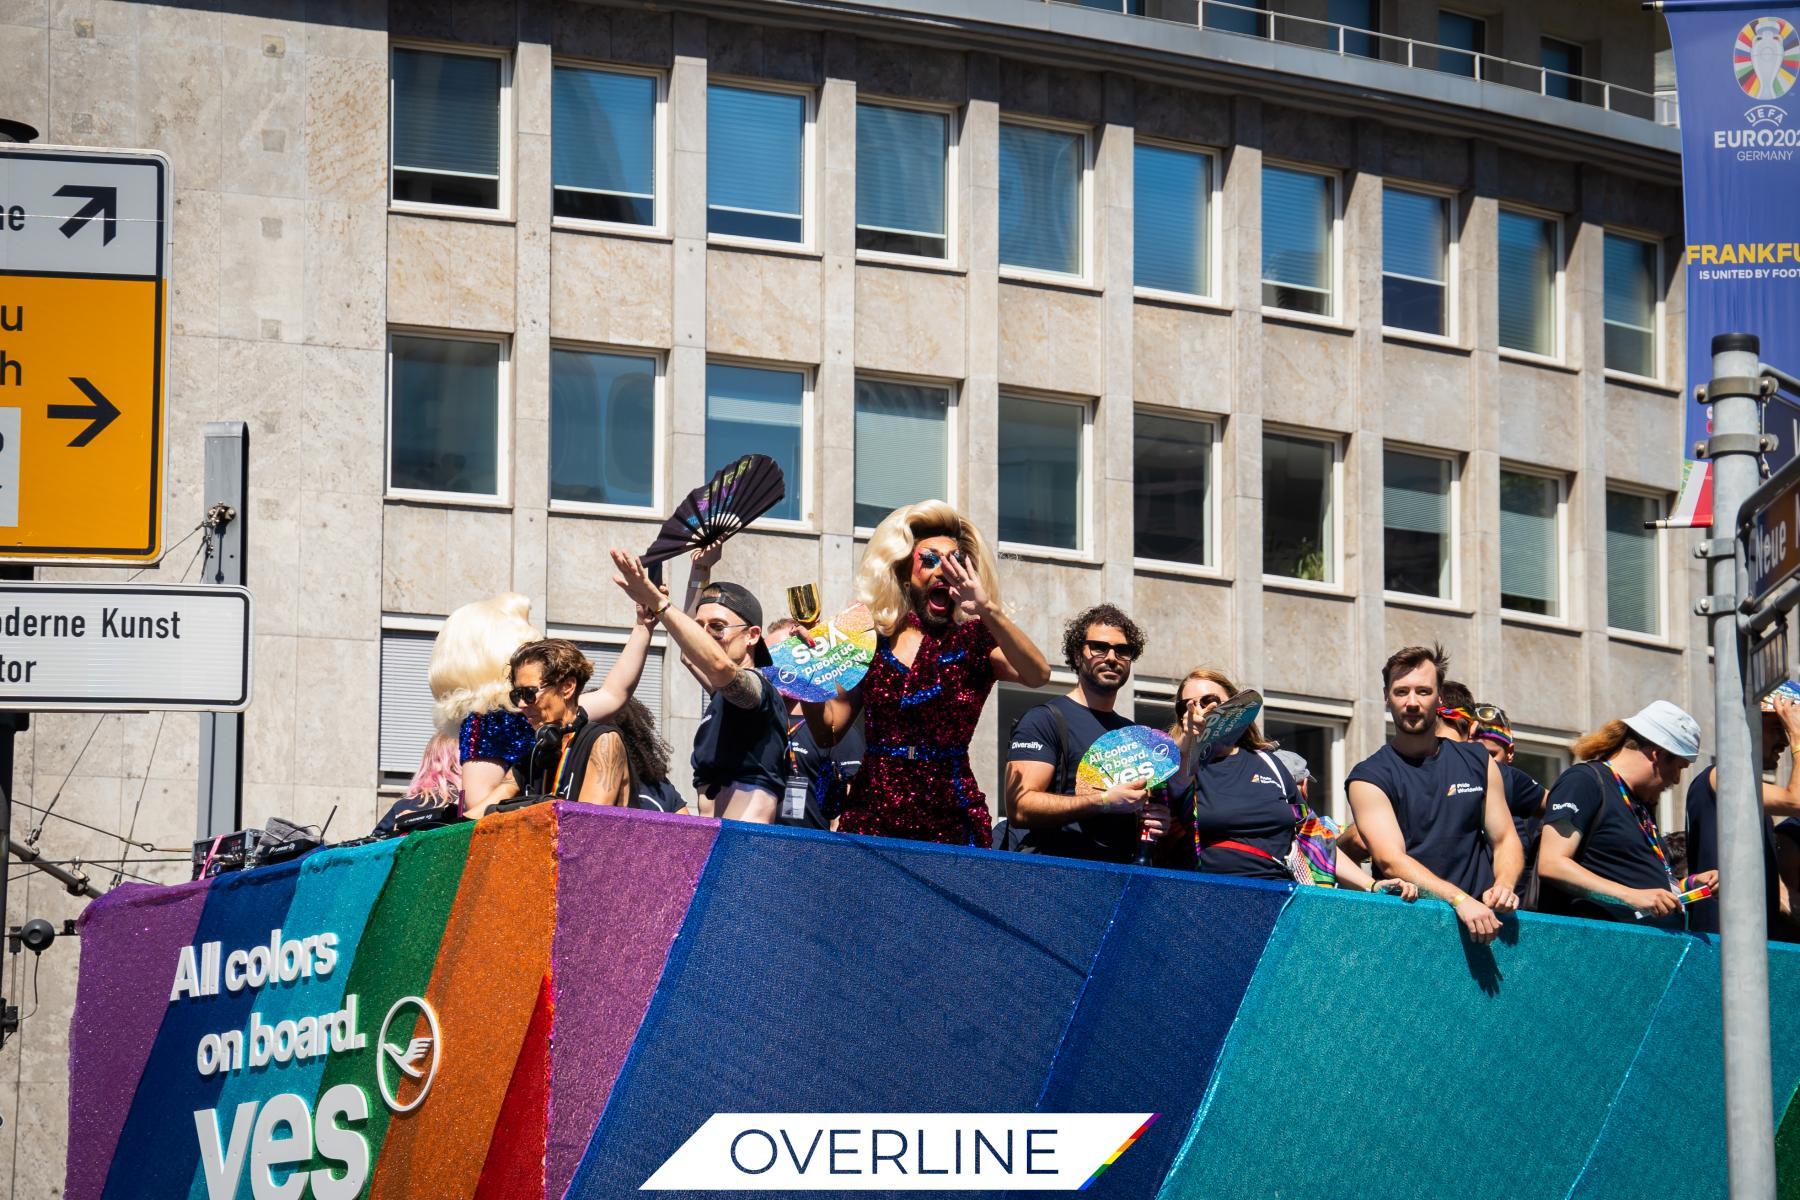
x: 937, y: 602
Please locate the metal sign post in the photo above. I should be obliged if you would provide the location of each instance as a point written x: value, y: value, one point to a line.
x: 1769, y: 544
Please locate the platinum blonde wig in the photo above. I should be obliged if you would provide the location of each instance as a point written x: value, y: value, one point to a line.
x: 469, y: 659
x: 881, y: 581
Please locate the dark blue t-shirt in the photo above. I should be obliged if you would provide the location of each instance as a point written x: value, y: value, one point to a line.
x: 741, y: 745
x: 827, y: 772
x: 1105, y: 837
x: 1612, y: 846
x: 1239, y: 798
x: 1440, y: 803
x: 1703, y: 850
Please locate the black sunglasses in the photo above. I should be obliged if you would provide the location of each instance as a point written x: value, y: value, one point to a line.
x: 526, y: 694
x: 1099, y: 649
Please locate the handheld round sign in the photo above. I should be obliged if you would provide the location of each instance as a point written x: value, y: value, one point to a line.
x: 838, y: 656
x: 1136, y: 752
x: 1226, y: 723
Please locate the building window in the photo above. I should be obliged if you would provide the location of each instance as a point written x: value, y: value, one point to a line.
x: 1248, y: 17
x: 1153, y: 704
x: 1299, y: 502
x: 1418, y: 520
x: 902, y: 446
x: 1043, y: 452
x: 759, y: 410
x: 901, y: 190
x: 1531, y: 543
x: 1171, y: 204
x: 1171, y: 488
x: 1041, y: 184
x: 756, y: 163
x: 1415, y: 261
x: 1633, y: 563
x: 406, y: 723
x: 447, y: 114
x: 1632, y: 273
x: 603, y: 145
x: 603, y: 443
x: 1354, y: 15
x: 1562, y: 68
x: 1542, y: 762
x: 1528, y: 267
x: 1459, y: 32
x: 603, y: 647
x: 1299, y: 216
x: 1319, y: 740
x: 444, y: 401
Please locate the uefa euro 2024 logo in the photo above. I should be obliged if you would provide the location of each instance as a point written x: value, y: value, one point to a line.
x: 1766, y: 60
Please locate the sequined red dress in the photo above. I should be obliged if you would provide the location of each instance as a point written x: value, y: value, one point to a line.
x: 915, y: 780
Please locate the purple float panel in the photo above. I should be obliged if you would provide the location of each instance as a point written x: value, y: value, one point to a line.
x: 624, y: 880
x: 130, y: 939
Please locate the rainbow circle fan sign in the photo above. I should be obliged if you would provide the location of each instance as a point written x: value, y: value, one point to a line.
x: 838, y: 656
x: 1136, y: 753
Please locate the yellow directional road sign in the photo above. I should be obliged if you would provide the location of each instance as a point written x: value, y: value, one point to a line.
x: 84, y: 272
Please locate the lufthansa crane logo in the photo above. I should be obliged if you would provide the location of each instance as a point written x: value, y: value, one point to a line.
x: 410, y: 1051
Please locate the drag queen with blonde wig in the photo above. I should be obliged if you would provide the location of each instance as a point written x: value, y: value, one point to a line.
x: 930, y: 583
x: 471, y: 684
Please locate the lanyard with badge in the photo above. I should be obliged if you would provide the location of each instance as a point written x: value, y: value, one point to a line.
x: 797, y: 785
x: 1647, y: 823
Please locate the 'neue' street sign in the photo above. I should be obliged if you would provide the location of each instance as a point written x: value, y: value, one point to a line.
x: 84, y: 271
x: 1769, y: 531
x: 121, y: 647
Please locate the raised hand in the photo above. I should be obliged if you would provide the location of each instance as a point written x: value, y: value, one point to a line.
x: 966, y: 590
x: 635, y: 581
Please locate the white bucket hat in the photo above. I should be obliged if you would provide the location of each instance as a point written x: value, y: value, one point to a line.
x: 1666, y: 726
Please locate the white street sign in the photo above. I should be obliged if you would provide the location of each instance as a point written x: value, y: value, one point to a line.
x: 121, y: 647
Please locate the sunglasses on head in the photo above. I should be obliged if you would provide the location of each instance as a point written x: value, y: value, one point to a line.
x: 929, y: 558
x: 1099, y: 649
x: 1490, y: 714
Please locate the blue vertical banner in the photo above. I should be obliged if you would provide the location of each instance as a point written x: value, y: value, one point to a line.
x: 1736, y: 66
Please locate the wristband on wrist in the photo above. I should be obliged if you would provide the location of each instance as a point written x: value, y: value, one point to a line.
x: 660, y: 609
x: 1457, y: 899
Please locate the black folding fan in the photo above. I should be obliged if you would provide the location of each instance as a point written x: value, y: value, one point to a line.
x: 741, y: 492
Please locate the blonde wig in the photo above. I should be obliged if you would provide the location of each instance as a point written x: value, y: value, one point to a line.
x: 469, y: 659
x: 881, y: 580
x: 1252, y: 738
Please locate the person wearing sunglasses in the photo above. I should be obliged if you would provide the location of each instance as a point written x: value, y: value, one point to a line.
x: 1524, y: 795
x: 1432, y: 811
x: 1601, y: 854
x: 944, y: 637
x: 1780, y: 731
x: 1048, y: 743
x: 572, y: 758
x: 739, y: 746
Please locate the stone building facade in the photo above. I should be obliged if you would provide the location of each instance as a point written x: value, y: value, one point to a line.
x: 298, y: 262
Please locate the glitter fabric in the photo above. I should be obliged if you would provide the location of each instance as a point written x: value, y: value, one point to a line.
x: 130, y: 938
x: 498, y: 737
x: 484, y: 987
x: 514, y: 1169
x: 915, y: 781
x: 624, y: 880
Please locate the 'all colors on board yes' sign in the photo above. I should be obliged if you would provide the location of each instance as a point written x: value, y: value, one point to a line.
x: 838, y: 655
x: 1136, y: 753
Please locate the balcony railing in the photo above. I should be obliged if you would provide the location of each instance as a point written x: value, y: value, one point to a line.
x: 1221, y: 16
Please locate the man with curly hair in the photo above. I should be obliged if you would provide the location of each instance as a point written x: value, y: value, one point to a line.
x: 1100, y: 645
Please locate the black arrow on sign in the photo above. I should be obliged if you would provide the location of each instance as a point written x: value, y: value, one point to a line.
x: 99, y: 412
x: 102, y: 202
